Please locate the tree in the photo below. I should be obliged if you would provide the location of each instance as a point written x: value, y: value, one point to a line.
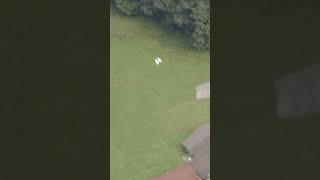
x: 190, y: 16
x: 201, y: 33
x: 128, y: 7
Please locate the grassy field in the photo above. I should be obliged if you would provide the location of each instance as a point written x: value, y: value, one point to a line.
x: 153, y: 108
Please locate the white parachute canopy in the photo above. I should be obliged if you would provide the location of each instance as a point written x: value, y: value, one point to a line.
x: 158, y: 61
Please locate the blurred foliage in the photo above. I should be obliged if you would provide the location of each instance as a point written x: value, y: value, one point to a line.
x: 189, y: 16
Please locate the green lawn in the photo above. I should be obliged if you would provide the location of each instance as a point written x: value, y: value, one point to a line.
x: 153, y: 108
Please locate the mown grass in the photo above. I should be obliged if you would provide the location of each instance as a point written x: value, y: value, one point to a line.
x: 153, y: 108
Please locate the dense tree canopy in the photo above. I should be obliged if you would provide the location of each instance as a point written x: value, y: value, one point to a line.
x: 189, y: 16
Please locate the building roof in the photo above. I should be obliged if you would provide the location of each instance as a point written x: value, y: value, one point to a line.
x: 185, y: 172
x: 203, y: 90
x: 196, y: 137
x: 201, y: 158
x: 298, y: 93
x: 197, y: 145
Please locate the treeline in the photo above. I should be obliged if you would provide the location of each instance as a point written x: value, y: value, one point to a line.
x: 190, y: 16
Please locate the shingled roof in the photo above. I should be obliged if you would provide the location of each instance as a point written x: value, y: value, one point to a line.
x: 197, y: 145
x: 196, y: 137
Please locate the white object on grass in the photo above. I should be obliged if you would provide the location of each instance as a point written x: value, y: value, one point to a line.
x: 158, y: 60
x: 203, y: 91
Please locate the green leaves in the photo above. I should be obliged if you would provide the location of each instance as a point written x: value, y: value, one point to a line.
x: 190, y: 16
x: 128, y: 7
x: 201, y: 33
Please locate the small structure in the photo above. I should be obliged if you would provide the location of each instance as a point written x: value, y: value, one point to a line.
x: 158, y: 61
x: 298, y: 93
x: 203, y: 90
x: 185, y: 172
x: 197, y: 146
